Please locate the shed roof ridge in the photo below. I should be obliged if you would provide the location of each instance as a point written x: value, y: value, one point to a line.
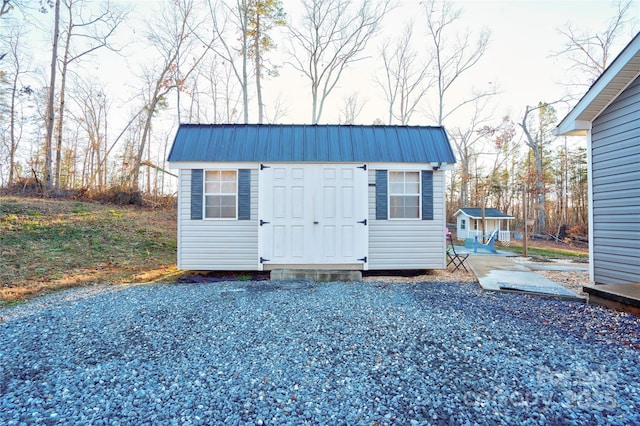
x: 385, y: 126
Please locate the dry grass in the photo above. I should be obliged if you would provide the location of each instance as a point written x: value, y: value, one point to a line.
x: 47, y: 245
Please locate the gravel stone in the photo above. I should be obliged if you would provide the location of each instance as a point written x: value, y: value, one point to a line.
x: 296, y: 352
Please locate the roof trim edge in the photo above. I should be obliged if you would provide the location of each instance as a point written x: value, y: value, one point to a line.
x: 569, y: 124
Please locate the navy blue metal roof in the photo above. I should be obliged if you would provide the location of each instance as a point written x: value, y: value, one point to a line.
x: 476, y: 213
x: 310, y: 143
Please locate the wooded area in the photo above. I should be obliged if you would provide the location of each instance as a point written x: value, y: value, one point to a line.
x: 208, y: 61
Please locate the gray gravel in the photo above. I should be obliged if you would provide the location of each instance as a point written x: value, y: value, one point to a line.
x: 304, y: 353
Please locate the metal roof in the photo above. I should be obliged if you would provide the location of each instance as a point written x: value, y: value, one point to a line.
x: 624, y: 69
x: 476, y: 213
x: 310, y: 143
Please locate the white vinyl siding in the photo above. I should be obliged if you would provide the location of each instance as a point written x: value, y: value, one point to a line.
x: 206, y: 245
x: 615, y: 157
x: 407, y: 243
x: 233, y: 244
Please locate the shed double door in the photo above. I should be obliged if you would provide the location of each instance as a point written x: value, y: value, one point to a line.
x: 313, y: 214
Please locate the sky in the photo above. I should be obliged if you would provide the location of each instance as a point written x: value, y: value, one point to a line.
x: 518, y: 61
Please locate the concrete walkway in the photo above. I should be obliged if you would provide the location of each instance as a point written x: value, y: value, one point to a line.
x: 496, y: 272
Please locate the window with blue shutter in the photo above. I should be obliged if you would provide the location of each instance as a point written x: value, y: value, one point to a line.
x: 221, y: 194
x: 381, y: 194
x: 196, y: 194
x: 399, y: 196
x: 427, y: 195
x: 244, y: 194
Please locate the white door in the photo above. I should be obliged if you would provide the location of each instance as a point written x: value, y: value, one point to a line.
x: 313, y: 214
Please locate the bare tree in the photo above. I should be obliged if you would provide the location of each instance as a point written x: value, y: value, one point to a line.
x: 93, y: 107
x: 15, y: 76
x: 453, y: 55
x: 280, y: 110
x: 500, y: 151
x: 5, y: 7
x: 176, y: 30
x: 589, y: 52
x: 94, y: 32
x: 466, y: 142
x: 215, y: 97
x: 332, y: 35
x: 536, y: 142
x: 405, y: 82
x: 48, y: 145
x: 351, y: 109
x: 224, y: 15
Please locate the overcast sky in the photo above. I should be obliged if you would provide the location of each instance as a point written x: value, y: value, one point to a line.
x: 519, y: 60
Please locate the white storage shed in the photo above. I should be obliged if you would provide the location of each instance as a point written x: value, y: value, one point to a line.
x: 266, y: 197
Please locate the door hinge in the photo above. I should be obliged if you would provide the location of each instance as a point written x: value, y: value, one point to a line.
x: 364, y: 222
x: 364, y: 259
x: 262, y: 259
x: 363, y: 167
x: 262, y: 222
x: 262, y: 167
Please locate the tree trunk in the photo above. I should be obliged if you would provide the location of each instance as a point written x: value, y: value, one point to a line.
x: 63, y: 81
x: 52, y: 95
x: 535, y: 148
x: 258, y: 69
x: 542, y: 208
x: 245, y: 79
x: 13, y: 144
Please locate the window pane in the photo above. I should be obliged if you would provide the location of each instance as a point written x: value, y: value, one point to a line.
x: 220, y: 206
x: 412, y: 177
x: 228, y: 175
x: 411, y: 201
x: 412, y: 188
x: 212, y: 175
x: 228, y: 188
x: 412, y: 207
x: 212, y: 201
x: 396, y: 188
x: 396, y: 177
x: 404, y: 207
x: 227, y: 200
x: 228, y: 212
x: 212, y: 212
x: 220, y: 182
x: 212, y: 187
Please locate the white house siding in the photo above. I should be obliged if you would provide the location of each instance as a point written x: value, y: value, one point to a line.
x: 407, y: 244
x: 207, y: 245
x: 615, y: 156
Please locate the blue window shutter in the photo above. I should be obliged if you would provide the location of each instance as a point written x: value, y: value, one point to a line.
x: 196, y: 194
x: 427, y: 195
x: 244, y: 194
x: 381, y: 194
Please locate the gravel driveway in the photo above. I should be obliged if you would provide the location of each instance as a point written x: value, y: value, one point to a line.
x: 303, y: 353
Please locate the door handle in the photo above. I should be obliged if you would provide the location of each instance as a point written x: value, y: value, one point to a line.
x: 315, y: 222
